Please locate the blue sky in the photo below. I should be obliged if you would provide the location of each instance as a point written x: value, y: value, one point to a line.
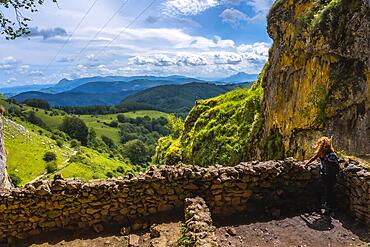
x: 199, y: 38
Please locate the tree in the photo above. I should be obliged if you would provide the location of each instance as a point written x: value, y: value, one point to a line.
x: 49, y: 156
x: 33, y: 119
x: 51, y: 167
x: 75, y: 128
x: 38, y: 103
x: 136, y: 151
x: 108, y: 141
x: 13, y: 28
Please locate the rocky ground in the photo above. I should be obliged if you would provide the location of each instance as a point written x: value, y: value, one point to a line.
x: 310, y: 229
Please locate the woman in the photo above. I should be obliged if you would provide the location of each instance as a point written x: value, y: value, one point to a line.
x: 329, y: 169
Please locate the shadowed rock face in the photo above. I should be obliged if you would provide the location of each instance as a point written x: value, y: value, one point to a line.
x: 4, y: 178
x: 318, y: 78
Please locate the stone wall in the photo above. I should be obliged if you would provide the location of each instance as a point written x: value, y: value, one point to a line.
x: 271, y: 187
x: 198, y: 223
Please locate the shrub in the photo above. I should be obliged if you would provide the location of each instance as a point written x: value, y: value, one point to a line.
x: 74, y: 143
x: 136, y: 151
x: 51, y: 167
x: 75, y: 128
x: 49, y: 156
x: 60, y: 143
x: 16, y: 180
x: 113, y: 124
x: 109, y: 142
x: 120, y: 170
x: 109, y: 174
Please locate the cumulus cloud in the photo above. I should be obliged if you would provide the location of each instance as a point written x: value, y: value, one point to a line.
x: 227, y: 58
x: 157, y: 60
x: 192, y: 60
x: 36, y: 73
x: 254, y: 54
x: 233, y: 16
x: 188, y: 7
x: 162, y: 60
x: 47, y: 33
x: 104, y: 70
x: 9, y: 63
x: 194, y: 7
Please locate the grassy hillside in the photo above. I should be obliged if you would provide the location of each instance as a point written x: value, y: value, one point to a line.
x: 26, y: 147
x: 220, y: 130
x: 53, y: 119
x: 178, y: 99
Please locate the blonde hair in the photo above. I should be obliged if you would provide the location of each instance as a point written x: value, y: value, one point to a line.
x: 322, y: 144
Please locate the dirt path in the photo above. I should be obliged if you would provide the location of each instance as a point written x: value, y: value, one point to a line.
x: 169, y: 233
x: 310, y: 230
x: 306, y: 230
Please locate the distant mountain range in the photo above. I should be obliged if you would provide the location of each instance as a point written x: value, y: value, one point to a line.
x: 11, y: 91
x: 239, y: 78
x: 178, y: 99
x: 108, y: 90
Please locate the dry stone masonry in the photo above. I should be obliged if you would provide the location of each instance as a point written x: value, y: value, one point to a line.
x: 198, y: 223
x: 270, y: 188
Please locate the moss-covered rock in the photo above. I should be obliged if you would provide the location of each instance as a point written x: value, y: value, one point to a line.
x: 219, y: 130
x: 319, y: 76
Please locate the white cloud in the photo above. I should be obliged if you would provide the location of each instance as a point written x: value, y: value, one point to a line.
x: 192, y: 60
x: 36, y: 73
x: 233, y: 16
x: 156, y: 59
x: 92, y: 57
x: 11, y: 80
x: 188, y: 7
x: 104, y: 70
x: 257, y: 52
x: 9, y: 63
x: 195, y: 7
x: 227, y: 58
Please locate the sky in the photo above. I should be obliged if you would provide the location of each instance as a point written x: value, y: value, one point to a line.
x: 198, y: 38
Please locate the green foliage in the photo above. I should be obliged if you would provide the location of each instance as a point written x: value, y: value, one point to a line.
x: 217, y: 130
x: 136, y: 151
x: 16, y: 180
x: 51, y: 167
x: 221, y: 130
x: 26, y: 147
x: 33, y: 119
x: 49, y: 156
x: 168, y: 151
x: 184, y: 241
x: 109, y: 142
x: 75, y: 128
x: 176, y: 125
x: 38, y: 103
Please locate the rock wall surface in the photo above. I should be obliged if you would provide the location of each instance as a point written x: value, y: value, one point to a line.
x: 318, y: 79
x: 270, y: 188
x: 198, y: 223
x: 4, y: 178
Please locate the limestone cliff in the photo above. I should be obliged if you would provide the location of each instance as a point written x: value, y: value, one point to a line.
x: 318, y: 78
x: 4, y: 178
